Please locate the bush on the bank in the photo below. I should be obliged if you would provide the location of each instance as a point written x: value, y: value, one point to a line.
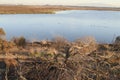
x: 21, y: 41
x: 2, y: 33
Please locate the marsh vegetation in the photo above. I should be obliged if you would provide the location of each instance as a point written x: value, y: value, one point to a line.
x: 47, y: 9
x: 59, y: 59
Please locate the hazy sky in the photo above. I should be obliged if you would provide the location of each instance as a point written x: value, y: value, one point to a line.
x: 115, y: 3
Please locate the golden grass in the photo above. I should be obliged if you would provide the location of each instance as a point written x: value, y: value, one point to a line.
x: 31, y: 9
x: 64, y: 60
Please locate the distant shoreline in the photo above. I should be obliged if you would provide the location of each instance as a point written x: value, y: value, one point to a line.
x: 47, y: 9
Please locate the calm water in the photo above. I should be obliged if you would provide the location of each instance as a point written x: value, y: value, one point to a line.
x: 103, y: 25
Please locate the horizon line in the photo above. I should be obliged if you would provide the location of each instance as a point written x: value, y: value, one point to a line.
x: 58, y: 5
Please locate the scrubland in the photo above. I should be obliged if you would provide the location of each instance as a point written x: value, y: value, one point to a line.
x: 59, y: 59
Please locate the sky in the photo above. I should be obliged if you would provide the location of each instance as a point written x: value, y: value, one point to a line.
x: 110, y: 3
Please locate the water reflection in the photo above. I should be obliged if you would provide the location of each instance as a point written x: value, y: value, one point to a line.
x: 103, y: 25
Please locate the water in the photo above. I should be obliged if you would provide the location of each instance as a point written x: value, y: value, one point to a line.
x: 103, y: 25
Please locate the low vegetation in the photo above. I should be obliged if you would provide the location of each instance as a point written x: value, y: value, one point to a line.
x: 20, y: 42
x: 59, y: 59
x: 46, y: 9
x: 2, y: 33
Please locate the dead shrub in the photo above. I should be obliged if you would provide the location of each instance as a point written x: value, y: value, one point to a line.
x: 20, y: 42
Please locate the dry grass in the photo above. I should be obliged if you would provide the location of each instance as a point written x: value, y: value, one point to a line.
x: 30, y: 9
x: 64, y: 60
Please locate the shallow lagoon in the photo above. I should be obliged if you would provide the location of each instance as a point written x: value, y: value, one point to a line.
x: 103, y: 25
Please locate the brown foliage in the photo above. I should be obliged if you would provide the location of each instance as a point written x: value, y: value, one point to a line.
x: 2, y: 33
x: 10, y: 62
x: 21, y: 41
